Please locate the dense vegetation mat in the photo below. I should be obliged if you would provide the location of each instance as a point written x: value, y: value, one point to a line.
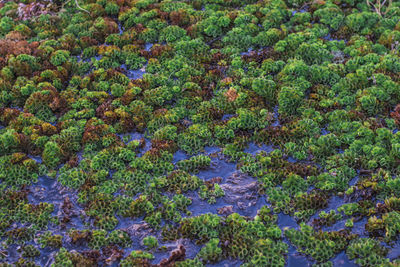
x: 199, y: 133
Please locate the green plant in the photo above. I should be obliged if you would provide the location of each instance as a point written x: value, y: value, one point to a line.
x: 150, y: 242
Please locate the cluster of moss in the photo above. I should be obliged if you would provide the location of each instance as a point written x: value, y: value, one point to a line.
x: 321, y: 246
x: 257, y: 242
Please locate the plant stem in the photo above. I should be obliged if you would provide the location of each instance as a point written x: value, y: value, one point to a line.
x: 79, y: 7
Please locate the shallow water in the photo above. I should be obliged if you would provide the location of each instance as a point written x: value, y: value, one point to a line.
x: 50, y: 190
x: 295, y: 259
x: 136, y: 74
x: 225, y: 263
x: 394, y: 251
x: 239, y: 197
x: 148, y: 46
x: 179, y: 155
x: 286, y: 221
x: 254, y: 149
x: 343, y: 261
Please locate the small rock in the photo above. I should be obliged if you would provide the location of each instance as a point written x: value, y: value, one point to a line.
x: 225, y: 210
